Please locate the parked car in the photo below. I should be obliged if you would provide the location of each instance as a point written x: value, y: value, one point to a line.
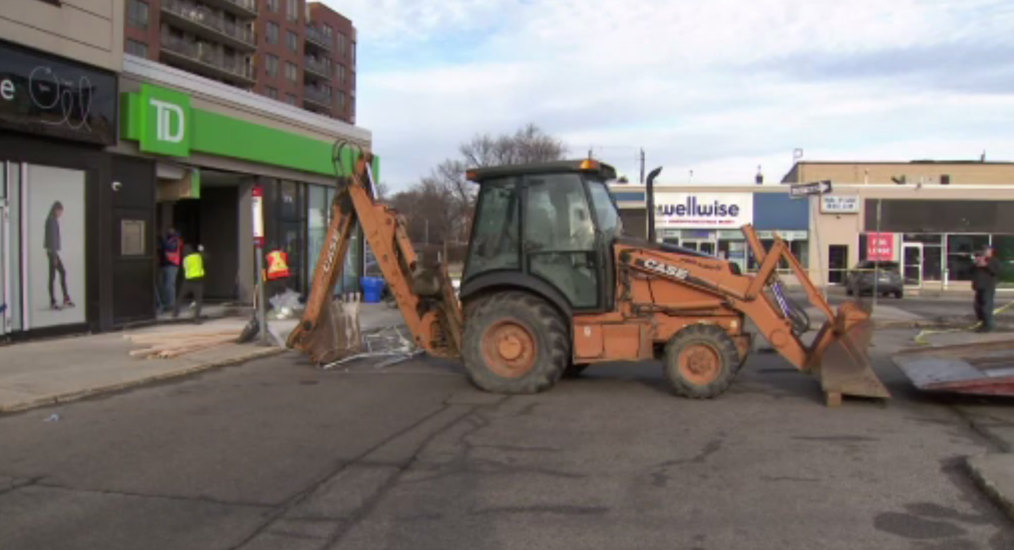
x: 860, y: 279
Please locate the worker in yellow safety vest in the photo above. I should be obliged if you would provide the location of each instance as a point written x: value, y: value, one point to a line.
x: 193, y: 281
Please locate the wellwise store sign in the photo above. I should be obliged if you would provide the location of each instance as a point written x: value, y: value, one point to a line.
x: 719, y: 210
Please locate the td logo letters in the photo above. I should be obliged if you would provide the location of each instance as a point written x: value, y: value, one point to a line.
x: 165, y: 121
x: 165, y: 130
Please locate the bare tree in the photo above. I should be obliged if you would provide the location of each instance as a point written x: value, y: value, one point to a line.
x: 382, y: 190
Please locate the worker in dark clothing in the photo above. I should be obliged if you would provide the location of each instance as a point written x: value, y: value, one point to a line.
x: 984, y: 278
x: 193, y: 281
x: 51, y: 243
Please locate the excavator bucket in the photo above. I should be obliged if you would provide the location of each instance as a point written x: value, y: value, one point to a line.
x: 336, y: 336
x: 841, y: 356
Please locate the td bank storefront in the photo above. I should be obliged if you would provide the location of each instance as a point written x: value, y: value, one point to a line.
x: 207, y: 146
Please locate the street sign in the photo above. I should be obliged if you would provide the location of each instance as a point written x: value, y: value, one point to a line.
x: 807, y: 189
x: 257, y: 201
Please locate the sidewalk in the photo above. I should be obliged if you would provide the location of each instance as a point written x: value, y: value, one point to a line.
x: 58, y: 370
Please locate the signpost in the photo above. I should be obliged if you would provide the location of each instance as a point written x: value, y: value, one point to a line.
x: 808, y: 190
x: 257, y: 200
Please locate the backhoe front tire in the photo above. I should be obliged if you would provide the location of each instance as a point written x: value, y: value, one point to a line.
x: 514, y: 343
x: 701, y: 361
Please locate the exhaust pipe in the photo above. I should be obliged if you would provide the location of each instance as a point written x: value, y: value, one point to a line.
x: 650, y: 190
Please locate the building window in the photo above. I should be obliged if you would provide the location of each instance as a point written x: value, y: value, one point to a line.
x: 137, y: 14
x: 960, y: 249
x: 341, y: 44
x: 290, y: 99
x: 272, y: 5
x: 293, y: 40
x: 353, y: 54
x: 328, y: 31
x: 341, y: 100
x: 342, y: 76
x: 352, y: 108
x: 271, y: 92
x: 272, y: 33
x: 271, y: 65
x: 140, y: 49
x: 290, y: 71
x: 292, y: 10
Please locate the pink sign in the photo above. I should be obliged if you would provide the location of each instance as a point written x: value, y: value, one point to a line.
x: 880, y: 246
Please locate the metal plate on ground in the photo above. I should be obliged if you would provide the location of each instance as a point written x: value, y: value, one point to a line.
x: 981, y: 369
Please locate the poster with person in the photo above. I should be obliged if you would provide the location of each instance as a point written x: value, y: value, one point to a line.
x: 56, y: 246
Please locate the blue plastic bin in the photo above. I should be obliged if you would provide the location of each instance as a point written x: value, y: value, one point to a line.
x: 372, y: 288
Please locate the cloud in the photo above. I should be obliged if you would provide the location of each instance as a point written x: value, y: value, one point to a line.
x: 718, y: 87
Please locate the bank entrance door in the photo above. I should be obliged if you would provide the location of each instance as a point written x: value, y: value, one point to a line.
x: 911, y: 264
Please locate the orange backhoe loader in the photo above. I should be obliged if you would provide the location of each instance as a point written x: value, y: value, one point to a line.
x: 551, y: 284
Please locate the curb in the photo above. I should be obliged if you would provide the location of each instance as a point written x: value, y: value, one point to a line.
x: 988, y: 486
x: 90, y: 392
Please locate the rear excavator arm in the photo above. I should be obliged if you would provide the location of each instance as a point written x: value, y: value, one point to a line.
x: 424, y: 294
x: 708, y: 286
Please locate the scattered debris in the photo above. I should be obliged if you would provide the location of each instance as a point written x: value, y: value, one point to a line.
x: 170, y: 344
x: 388, y: 342
x: 285, y: 304
x: 53, y: 418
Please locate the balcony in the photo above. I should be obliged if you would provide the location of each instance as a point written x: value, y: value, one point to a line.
x: 317, y: 37
x: 206, y: 60
x: 320, y: 68
x: 242, y: 9
x: 207, y: 24
x: 316, y: 97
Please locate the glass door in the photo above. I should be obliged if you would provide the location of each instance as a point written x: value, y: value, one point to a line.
x: 5, y: 290
x: 912, y: 259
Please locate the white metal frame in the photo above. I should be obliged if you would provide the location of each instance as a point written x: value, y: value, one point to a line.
x: 904, y: 263
x: 5, y: 264
x: 26, y: 309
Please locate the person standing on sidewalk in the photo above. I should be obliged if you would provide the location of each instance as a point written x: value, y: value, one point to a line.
x: 170, y: 258
x: 193, y: 281
x: 984, y: 278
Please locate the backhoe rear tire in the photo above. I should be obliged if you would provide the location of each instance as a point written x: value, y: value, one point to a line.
x: 701, y: 361
x: 514, y: 343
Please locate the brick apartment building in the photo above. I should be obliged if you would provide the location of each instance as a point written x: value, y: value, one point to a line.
x: 300, y: 53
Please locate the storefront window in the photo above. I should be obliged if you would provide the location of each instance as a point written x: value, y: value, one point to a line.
x: 316, y: 225
x: 1005, y: 252
x: 799, y: 249
x: 959, y: 254
x: 290, y: 200
x: 350, y: 269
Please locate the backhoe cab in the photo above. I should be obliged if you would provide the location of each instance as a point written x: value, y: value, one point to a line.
x: 551, y: 284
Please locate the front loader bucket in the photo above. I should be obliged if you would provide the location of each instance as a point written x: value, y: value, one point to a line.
x: 336, y: 335
x: 844, y: 363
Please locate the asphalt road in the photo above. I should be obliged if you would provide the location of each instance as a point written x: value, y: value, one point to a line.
x: 274, y: 454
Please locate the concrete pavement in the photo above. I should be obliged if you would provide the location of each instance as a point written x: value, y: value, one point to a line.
x: 58, y: 370
x: 279, y: 455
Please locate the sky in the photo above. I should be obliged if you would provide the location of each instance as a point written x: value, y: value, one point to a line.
x: 709, y: 89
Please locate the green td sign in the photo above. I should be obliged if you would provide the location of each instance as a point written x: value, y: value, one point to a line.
x: 165, y: 121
